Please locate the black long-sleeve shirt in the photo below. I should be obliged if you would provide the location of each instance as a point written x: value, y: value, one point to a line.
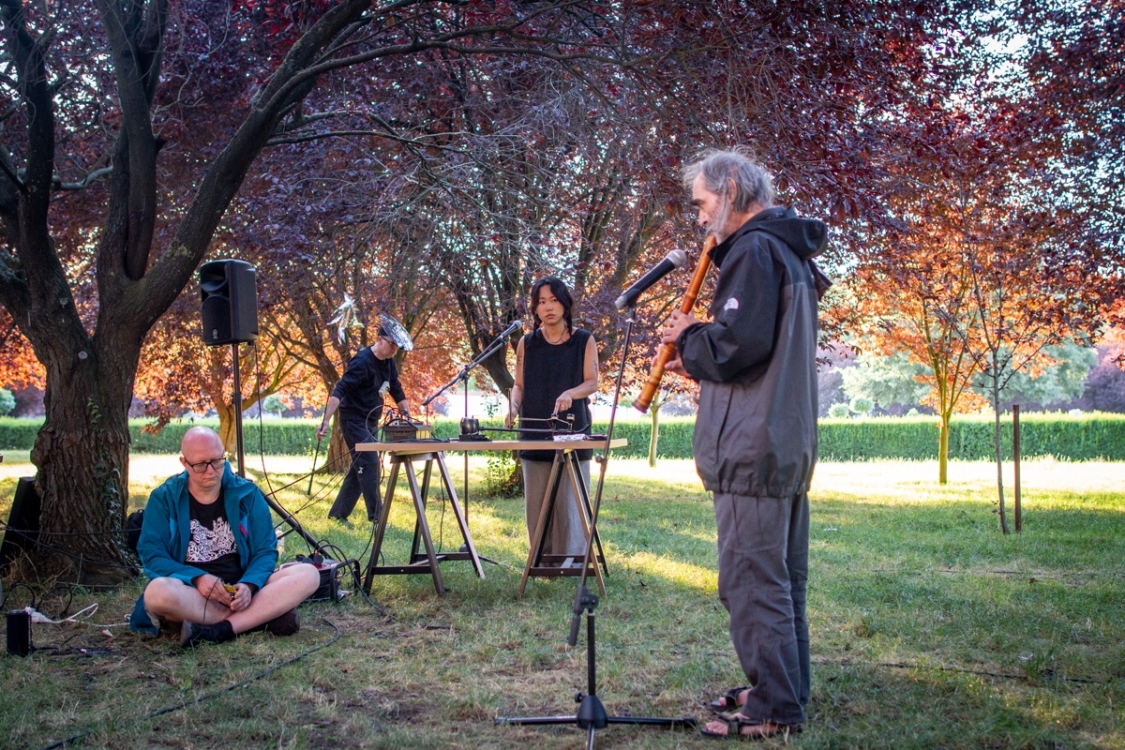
x: 361, y: 388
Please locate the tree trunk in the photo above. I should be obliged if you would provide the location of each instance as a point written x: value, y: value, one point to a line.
x: 654, y: 437
x: 82, y: 450
x: 999, y: 458
x: 943, y: 449
x: 497, y: 367
x: 337, y: 460
x: 226, y: 430
x: 82, y: 453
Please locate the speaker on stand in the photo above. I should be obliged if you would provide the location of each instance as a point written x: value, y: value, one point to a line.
x: 229, y: 300
x: 230, y: 316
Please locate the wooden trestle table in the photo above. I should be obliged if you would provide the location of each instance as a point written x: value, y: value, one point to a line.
x: 566, y: 467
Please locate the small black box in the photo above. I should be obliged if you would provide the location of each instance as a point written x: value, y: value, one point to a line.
x: 19, y: 632
x: 401, y: 430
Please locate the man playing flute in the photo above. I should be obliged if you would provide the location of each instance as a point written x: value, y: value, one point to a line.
x: 755, y: 434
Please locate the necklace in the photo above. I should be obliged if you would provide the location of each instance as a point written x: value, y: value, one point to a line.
x: 560, y: 339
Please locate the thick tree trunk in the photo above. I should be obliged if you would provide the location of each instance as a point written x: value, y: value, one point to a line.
x: 497, y: 368
x: 82, y: 453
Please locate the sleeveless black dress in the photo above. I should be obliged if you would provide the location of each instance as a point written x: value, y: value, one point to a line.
x: 548, y: 370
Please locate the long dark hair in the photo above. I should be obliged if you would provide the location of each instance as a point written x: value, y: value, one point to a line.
x: 562, y: 294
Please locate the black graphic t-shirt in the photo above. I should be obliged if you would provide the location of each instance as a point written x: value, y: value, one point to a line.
x: 212, y: 546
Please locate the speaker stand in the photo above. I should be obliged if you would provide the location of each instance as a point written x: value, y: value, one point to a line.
x: 285, y: 515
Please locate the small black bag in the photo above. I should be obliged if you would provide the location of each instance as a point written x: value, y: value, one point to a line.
x: 133, y: 528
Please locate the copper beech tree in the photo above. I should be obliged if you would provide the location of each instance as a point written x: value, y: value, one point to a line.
x: 426, y: 157
x: 97, y: 95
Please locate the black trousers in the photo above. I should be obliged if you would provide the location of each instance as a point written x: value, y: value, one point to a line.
x: 363, y: 476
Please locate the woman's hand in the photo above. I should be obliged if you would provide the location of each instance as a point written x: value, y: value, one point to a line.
x: 562, y: 403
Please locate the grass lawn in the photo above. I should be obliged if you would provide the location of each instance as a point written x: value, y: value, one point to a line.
x: 929, y: 628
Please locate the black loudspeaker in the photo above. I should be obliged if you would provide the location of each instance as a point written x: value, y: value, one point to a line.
x: 23, y: 523
x: 230, y: 302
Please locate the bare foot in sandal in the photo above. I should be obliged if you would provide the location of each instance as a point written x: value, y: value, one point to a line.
x: 736, y: 724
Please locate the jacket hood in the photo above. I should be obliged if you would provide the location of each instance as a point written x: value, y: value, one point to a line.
x: 806, y: 237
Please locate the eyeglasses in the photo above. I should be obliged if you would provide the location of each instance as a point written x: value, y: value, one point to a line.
x: 215, y: 463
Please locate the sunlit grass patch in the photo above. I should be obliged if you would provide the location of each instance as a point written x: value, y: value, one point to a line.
x: 674, y: 571
x: 929, y: 628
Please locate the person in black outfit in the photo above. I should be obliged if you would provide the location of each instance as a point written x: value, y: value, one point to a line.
x: 358, y: 395
x: 556, y: 372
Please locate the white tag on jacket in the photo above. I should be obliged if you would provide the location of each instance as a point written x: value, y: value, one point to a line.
x: 732, y: 304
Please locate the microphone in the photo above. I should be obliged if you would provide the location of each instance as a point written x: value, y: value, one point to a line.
x: 676, y: 259
x: 517, y: 325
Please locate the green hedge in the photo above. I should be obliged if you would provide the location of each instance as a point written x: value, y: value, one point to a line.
x: 1071, y: 438
x: 18, y: 434
x: 1076, y: 438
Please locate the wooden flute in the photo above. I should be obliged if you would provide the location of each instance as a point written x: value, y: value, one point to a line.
x: 667, y: 351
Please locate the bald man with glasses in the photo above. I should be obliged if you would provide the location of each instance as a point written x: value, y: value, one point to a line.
x: 208, y: 544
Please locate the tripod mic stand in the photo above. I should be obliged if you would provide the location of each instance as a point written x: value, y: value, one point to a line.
x: 463, y: 377
x: 591, y: 714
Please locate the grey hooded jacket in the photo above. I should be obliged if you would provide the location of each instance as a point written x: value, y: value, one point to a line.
x: 755, y: 434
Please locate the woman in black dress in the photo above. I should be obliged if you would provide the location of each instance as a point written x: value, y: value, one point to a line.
x: 556, y: 372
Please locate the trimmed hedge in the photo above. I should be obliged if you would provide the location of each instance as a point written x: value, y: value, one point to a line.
x: 1077, y: 438
x: 18, y: 434
x: 1071, y: 438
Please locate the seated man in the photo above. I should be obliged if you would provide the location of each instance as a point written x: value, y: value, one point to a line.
x: 208, y: 544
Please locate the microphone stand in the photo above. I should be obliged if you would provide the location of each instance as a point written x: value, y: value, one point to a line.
x: 463, y: 377
x: 591, y: 714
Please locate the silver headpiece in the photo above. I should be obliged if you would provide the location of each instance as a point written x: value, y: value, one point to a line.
x: 395, y: 331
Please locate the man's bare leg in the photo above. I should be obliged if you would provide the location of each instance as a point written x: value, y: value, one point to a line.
x: 175, y: 601
x: 284, y: 590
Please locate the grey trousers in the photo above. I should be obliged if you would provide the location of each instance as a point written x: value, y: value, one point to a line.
x: 763, y: 573
x: 564, y: 532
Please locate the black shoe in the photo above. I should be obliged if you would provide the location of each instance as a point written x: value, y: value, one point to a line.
x: 341, y: 521
x: 284, y: 624
x: 193, y: 634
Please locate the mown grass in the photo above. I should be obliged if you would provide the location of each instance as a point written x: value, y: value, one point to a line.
x: 929, y: 628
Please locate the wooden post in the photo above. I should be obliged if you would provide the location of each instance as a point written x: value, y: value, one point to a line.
x: 1016, y: 462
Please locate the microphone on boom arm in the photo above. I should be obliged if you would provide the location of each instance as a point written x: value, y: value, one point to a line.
x: 675, y: 259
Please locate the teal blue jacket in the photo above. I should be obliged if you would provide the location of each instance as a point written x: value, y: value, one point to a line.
x: 166, y: 531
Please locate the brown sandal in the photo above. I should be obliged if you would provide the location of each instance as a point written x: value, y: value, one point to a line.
x: 729, y: 700
x: 737, y: 722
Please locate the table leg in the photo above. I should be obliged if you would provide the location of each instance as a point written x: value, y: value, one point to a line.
x: 414, y: 555
x: 582, y: 500
x: 424, y: 527
x: 381, y: 528
x: 535, y: 553
x: 461, y: 516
